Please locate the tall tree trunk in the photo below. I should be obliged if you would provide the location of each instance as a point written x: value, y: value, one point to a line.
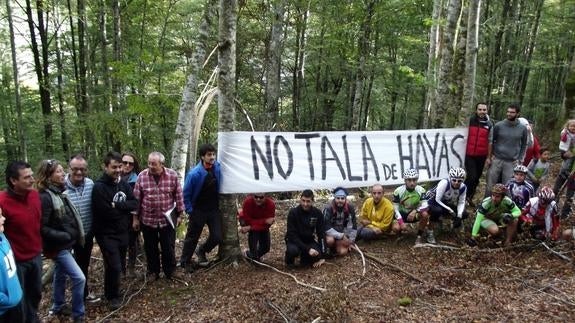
x: 7, y: 120
x: 23, y: 147
x: 495, y: 59
x: 470, y: 60
x: 432, y: 61
x: 86, y: 106
x: 360, y: 75
x: 41, y: 68
x: 59, y: 86
x: 569, y: 96
x: 298, y: 70
x: 184, y: 140
x: 445, y: 65
x: 104, y: 68
x: 454, y: 105
x: 117, y: 93
x: 524, y: 72
x: 272, y: 86
x: 230, y: 248
x: 74, y: 55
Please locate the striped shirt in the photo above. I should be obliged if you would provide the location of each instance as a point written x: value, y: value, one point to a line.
x: 81, y: 197
x: 157, y: 198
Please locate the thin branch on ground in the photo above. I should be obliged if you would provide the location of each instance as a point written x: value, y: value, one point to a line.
x: 105, y: 318
x: 436, y: 246
x: 408, y: 274
x: 556, y: 253
x: 277, y: 309
x: 356, y: 248
x: 299, y: 282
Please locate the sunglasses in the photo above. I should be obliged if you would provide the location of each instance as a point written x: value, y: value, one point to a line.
x: 258, y: 197
x: 125, y: 162
x: 78, y: 169
x: 457, y: 180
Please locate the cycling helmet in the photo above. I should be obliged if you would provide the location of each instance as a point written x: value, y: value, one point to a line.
x: 520, y: 169
x: 457, y: 172
x: 410, y: 174
x: 499, y: 189
x: 546, y: 194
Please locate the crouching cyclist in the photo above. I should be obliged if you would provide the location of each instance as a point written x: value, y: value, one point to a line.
x: 540, y: 215
x: 448, y: 198
x: 410, y: 205
x: 497, y: 210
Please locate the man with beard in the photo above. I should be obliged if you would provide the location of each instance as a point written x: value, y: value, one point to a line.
x: 340, y: 223
x: 480, y: 128
x: 507, y: 146
x: 112, y: 203
x: 202, y: 202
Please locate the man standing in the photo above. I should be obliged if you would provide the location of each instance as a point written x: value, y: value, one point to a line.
x: 21, y: 207
x: 507, y: 146
x: 113, y: 204
x: 79, y: 191
x: 159, y: 192
x: 480, y: 128
x: 201, y: 197
x: 305, y: 236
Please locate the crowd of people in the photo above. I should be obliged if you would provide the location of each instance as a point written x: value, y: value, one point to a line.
x: 58, y: 214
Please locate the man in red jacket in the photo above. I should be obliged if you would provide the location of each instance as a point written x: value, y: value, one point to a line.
x: 22, y: 209
x: 480, y: 126
x: 256, y: 217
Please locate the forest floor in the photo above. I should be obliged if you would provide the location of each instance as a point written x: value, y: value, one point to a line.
x: 526, y: 283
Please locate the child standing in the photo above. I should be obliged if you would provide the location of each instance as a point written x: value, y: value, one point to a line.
x: 538, y: 169
x: 567, y: 149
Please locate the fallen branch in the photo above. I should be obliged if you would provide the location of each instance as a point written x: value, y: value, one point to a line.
x: 105, y: 318
x: 299, y: 282
x: 408, y: 274
x: 556, y: 253
x: 437, y: 246
x: 356, y: 248
x: 277, y: 309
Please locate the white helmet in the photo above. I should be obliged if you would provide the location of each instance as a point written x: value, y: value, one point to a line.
x: 520, y: 169
x: 457, y: 172
x: 410, y: 173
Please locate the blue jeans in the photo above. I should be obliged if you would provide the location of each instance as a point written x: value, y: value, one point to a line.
x: 65, y: 265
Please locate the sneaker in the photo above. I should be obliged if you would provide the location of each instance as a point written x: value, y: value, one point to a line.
x: 430, y: 237
x: 63, y: 311
x: 202, y: 259
x: 92, y: 298
x: 114, y: 304
x: 418, y: 240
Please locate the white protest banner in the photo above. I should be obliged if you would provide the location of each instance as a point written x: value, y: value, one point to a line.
x: 293, y: 161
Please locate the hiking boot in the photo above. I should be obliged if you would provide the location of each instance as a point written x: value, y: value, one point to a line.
x: 418, y: 240
x: 114, y: 304
x: 431, y: 237
x: 202, y: 259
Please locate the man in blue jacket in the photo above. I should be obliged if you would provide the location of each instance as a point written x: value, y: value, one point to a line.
x: 201, y: 199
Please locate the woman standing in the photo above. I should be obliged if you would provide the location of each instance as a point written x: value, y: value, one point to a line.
x: 130, y: 171
x: 61, y: 230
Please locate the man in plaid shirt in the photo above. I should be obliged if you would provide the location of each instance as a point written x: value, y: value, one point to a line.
x: 159, y: 193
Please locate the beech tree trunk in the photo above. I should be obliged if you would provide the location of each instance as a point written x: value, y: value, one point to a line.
x: 272, y: 86
x: 445, y: 65
x: 432, y: 64
x: 230, y: 248
x: 23, y: 147
x: 468, y: 101
x: 184, y: 142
